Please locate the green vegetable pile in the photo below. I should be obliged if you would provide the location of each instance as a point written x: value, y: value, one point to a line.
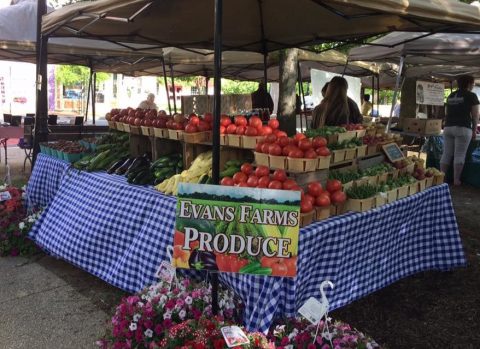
x: 397, y: 183
x: 363, y: 192
x: 231, y: 167
x: 324, y: 131
x: 347, y: 144
x: 345, y: 177
x: 377, y: 169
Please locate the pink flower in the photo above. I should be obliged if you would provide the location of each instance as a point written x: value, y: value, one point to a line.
x: 284, y: 341
x: 180, y: 302
x: 132, y: 300
x: 326, y: 346
x: 158, y: 329
x: 170, y: 304
x: 167, y: 323
x: 311, y: 346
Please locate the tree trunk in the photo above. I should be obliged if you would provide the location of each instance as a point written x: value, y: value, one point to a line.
x: 408, y: 99
x: 287, y: 92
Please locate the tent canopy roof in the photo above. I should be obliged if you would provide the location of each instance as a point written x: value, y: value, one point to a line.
x: 436, y: 49
x: 254, y: 25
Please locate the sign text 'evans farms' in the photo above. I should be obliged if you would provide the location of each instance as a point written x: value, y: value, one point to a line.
x: 239, y: 230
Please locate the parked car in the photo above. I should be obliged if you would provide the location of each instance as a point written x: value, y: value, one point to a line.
x: 71, y: 94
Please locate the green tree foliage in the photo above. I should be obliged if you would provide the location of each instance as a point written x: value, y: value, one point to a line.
x: 74, y: 75
x: 238, y: 87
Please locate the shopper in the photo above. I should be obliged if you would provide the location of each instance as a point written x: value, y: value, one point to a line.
x: 324, y: 89
x: 367, y: 105
x: 261, y: 99
x: 460, y: 126
x: 149, y: 102
x: 336, y: 108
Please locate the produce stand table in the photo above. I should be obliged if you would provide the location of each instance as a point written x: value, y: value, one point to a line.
x: 120, y: 232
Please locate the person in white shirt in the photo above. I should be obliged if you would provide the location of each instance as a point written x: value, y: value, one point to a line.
x: 149, y: 102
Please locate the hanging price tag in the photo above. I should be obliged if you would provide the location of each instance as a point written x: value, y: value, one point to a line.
x: 4, y: 196
x: 234, y: 336
x: 166, y: 271
x: 313, y: 310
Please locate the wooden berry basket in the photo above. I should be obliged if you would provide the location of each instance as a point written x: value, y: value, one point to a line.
x: 422, y: 184
x: 392, y: 195
x: 136, y: 130
x: 300, y: 165
x: 262, y: 159
x: 361, y: 151
x: 337, y: 209
x: 125, y: 127
x: 277, y: 162
x: 160, y: 132
x: 360, y: 133
x: 350, y: 153
x: 381, y: 199
x: 112, y: 125
x: 234, y: 141
x: 439, y: 179
x: 362, y: 205
x: 250, y: 142
x: 372, y: 150
x: 322, y: 213
x: 176, y: 134
x: 402, y: 192
x: 382, y: 178
x: 428, y: 182
x: 323, y: 162
x: 223, y: 140
x: 412, y: 189
x: 338, y: 156
x: 196, y: 137
x: 306, y: 218
x: 147, y: 131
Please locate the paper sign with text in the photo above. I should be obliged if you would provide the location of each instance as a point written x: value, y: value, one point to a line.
x: 238, y: 230
x: 430, y: 93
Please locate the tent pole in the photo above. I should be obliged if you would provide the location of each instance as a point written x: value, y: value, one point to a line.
x: 94, y: 95
x: 207, y: 79
x: 217, y: 104
x: 166, y: 86
x: 174, y: 89
x: 373, y: 94
x: 395, y: 93
x: 345, y: 68
x: 302, y: 94
x: 265, y: 76
x: 41, y: 113
x: 378, y: 94
x: 90, y: 78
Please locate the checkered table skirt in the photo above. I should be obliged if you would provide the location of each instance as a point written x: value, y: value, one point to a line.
x: 120, y: 232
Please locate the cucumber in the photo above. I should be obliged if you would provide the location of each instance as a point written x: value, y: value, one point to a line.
x: 262, y: 271
x: 250, y: 267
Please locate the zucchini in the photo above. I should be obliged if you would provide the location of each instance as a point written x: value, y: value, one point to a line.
x: 116, y: 165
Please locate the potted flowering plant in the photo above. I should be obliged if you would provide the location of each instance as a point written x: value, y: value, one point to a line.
x: 206, y: 333
x: 299, y: 333
x: 143, y: 319
x: 15, y: 224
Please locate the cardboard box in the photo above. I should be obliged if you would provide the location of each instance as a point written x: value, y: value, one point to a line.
x: 402, y: 192
x: 249, y: 142
x: 323, y: 162
x: 362, y: 205
x: 322, y: 213
x: 278, y: 162
x: 423, y: 126
x: 261, y: 159
x: 306, y: 218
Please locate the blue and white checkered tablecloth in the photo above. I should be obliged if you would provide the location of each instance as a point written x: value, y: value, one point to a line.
x: 120, y: 233
x: 45, y: 180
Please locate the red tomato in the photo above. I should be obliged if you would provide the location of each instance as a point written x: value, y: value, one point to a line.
x: 287, y: 149
x: 242, y: 184
x: 238, y: 263
x: 291, y: 264
x: 252, y: 181
x: 280, y: 175
x: 267, y: 130
x: 310, y: 154
x: 240, y: 120
x: 194, y: 120
x: 162, y: 123
x: 247, y: 168
x: 240, y: 130
x: 297, y: 188
x: 148, y: 122
x: 314, y: 189
x: 273, y: 123
x: 263, y: 182
x: 258, y: 147
x: 275, y: 185
x: 299, y: 137
x: 289, y: 184
x: 323, y: 200
x: 225, y: 121
x: 305, y: 144
x: 279, y: 269
x: 296, y: 154
x: 137, y: 122
x: 228, y: 181
x: 323, y: 151
x: 334, y: 185
x: 338, y: 197
x: 271, y: 138
x: 231, y: 129
x: 283, y: 141
x: 306, y: 206
x: 208, y: 117
x: 261, y: 171
x: 309, y: 198
x: 319, y: 142
x: 251, y: 131
x: 275, y: 149
x: 267, y: 262
x: 205, y: 126
x: 222, y: 129
x: 279, y: 133
x: 255, y: 121
x: 240, y: 177
x: 191, y: 128
x: 265, y: 148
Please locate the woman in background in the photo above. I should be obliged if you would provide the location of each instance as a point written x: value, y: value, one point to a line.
x: 460, y: 126
x: 336, y: 108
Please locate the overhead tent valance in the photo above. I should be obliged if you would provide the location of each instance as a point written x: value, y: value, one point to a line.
x: 265, y: 25
x: 423, y: 49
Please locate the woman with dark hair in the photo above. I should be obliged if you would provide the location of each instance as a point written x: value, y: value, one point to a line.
x: 460, y: 126
x: 336, y: 108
